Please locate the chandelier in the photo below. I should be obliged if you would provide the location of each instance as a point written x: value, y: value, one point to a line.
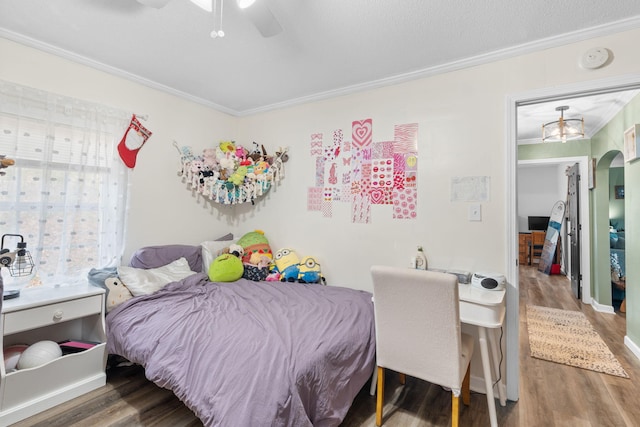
x: 563, y: 129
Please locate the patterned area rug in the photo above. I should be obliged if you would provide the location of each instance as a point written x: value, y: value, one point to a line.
x: 567, y: 337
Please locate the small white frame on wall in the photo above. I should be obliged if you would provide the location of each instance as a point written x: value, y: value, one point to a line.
x: 631, y: 143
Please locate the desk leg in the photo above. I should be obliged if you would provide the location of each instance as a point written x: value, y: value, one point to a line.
x: 486, y: 368
x: 495, y: 351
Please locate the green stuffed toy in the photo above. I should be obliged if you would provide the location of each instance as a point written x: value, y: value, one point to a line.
x: 237, y: 177
x: 254, y: 242
x: 226, y: 268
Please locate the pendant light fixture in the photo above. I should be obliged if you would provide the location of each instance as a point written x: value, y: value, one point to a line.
x: 563, y: 129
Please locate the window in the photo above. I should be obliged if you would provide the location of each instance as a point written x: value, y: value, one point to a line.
x: 67, y: 193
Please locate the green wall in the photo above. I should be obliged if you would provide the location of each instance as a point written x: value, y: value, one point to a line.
x: 605, y: 146
x: 552, y: 150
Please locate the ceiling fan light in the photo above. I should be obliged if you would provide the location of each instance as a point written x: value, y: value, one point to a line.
x: 243, y: 4
x: 204, y: 4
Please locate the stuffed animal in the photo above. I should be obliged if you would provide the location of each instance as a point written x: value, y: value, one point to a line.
x: 255, y: 242
x: 237, y: 177
x: 236, y: 250
x: 115, y: 291
x: 241, y: 152
x: 246, y: 161
x: 118, y: 292
x: 257, y: 268
x: 205, y: 173
x: 256, y: 155
x: 260, y: 260
x: 228, y: 146
x: 309, y: 271
x: 226, y: 268
x: 287, y: 263
x: 261, y: 167
x: 227, y: 166
x: 186, y: 157
x: 209, y: 158
x: 273, y: 276
x: 195, y: 167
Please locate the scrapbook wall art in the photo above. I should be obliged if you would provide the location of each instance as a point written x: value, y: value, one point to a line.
x: 358, y: 170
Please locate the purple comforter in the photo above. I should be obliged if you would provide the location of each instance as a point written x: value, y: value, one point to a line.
x: 251, y: 353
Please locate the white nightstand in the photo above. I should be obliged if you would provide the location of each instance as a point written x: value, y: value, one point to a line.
x: 56, y: 314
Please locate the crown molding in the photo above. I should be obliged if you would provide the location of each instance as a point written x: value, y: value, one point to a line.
x: 550, y: 42
x: 83, y: 60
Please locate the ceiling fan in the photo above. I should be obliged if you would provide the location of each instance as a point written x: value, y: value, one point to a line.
x: 257, y: 11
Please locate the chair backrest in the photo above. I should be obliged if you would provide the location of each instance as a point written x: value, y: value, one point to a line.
x: 417, y: 317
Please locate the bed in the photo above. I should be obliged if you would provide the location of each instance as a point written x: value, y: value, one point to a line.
x: 247, y: 353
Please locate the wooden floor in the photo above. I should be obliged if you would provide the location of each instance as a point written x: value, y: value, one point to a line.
x: 550, y: 394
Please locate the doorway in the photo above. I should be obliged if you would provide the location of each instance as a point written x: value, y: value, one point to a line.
x: 617, y: 234
x: 511, y: 136
x: 551, y: 173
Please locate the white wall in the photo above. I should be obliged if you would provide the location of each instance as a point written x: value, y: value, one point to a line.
x: 539, y: 188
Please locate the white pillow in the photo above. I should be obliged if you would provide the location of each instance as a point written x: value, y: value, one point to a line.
x: 143, y: 282
x: 211, y: 249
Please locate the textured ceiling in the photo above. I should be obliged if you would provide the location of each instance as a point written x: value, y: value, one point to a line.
x: 327, y: 47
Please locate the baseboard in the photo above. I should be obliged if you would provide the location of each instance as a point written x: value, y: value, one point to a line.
x: 477, y: 385
x: 602, y: 308
x: 632, y: 346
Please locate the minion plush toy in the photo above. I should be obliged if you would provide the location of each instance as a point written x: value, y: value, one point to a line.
x: 288, y: 264
x: 309, y: 271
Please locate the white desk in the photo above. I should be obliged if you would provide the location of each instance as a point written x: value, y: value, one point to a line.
x: 485, y: 310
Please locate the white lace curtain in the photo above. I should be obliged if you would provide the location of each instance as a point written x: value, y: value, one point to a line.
x: 67, y: 193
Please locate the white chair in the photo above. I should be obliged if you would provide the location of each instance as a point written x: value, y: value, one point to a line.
x: 417, y: 317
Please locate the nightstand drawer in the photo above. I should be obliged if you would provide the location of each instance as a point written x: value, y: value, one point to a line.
x: 36, y: 317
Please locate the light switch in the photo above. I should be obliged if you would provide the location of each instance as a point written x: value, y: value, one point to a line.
x: 475, y: 212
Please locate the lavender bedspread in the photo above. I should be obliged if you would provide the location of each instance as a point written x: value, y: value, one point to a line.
x: 251, y: 353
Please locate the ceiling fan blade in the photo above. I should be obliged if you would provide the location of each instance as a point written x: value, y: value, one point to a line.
x: 262, y: 17
x: 154, y: 3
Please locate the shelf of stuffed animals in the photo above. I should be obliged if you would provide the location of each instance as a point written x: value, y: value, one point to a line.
x: 229, y: 174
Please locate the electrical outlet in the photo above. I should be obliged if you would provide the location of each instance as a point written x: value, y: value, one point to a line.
x: 475, y: 212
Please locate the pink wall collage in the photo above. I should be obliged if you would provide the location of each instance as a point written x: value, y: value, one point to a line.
x: 364, y: 172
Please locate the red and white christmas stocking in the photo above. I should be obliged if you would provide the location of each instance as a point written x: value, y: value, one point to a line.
x: 134, y: 138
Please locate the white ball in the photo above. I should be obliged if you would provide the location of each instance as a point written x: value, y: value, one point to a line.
x: 38, y: 354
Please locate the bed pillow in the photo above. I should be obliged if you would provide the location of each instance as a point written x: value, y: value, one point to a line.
x: 158, y: 256
x: 211, y: 249
x: 146, y: 281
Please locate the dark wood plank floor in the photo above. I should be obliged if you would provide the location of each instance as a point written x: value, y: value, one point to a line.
x: 550, y: 394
